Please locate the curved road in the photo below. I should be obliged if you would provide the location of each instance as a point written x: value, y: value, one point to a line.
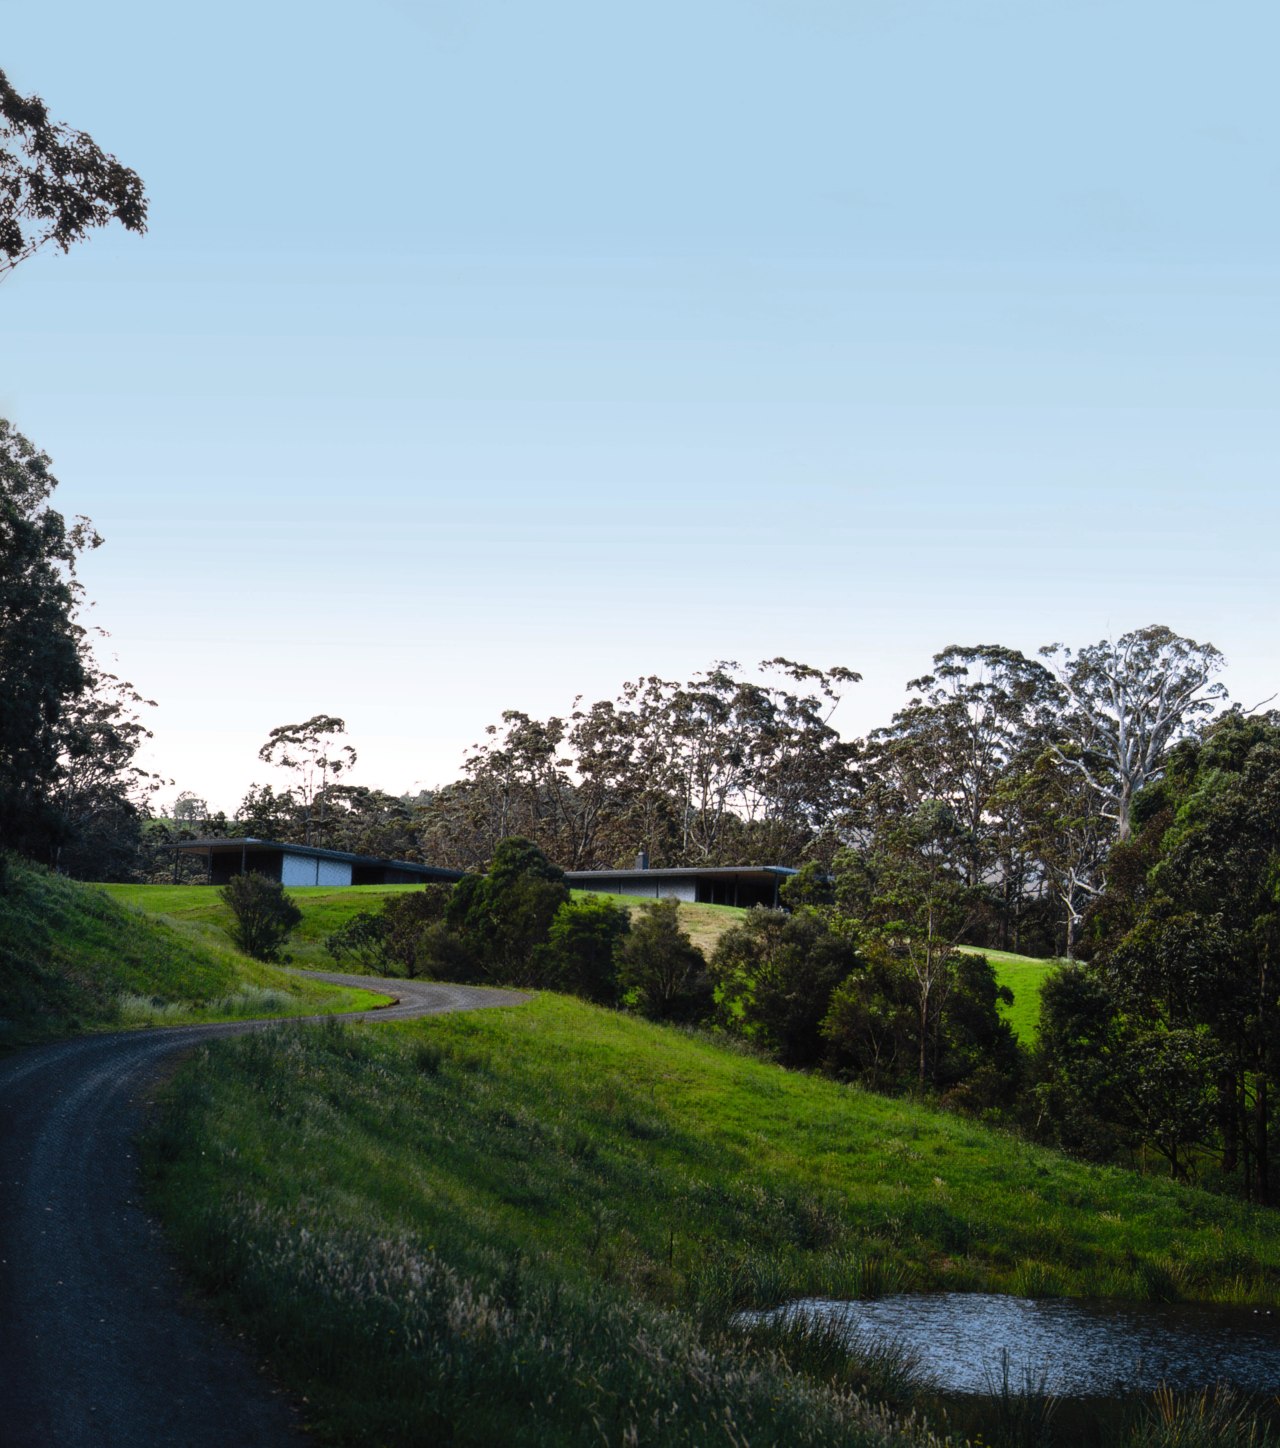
x: 99, y: 1342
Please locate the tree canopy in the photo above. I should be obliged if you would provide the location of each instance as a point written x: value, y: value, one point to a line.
x: 56, y: 183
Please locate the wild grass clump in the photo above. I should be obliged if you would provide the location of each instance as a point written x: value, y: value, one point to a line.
x: 879, y: 1370
x: 1021, y: 1408
x: 1219, y: 1417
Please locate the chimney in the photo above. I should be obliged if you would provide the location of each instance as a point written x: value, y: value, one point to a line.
x: 642, y: 860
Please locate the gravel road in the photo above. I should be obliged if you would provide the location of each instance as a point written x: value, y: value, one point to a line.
x: 100, y: 1343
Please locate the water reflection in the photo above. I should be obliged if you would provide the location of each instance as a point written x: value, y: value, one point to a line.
x: 1073, y: 1348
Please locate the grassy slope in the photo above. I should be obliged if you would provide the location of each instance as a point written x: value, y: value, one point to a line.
x: 72, y: 958
x: 1021, y: 973
x: 557, y: 1148
x: 200, y: 910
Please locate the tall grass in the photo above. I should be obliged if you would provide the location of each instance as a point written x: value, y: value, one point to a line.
x: 515, y: 1204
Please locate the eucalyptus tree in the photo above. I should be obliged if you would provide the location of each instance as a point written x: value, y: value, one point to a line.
x: 970, y: 726
x: 56, y: 183
x: 1193, y: 964
x: 312, y: 751
x: 42, y: 664
x: 1128, y: 702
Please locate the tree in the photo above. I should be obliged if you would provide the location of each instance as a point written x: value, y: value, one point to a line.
x: 42, y: 664
x: 580, y: 954
x: 56, y: 184
x: 311, y: 750
x: 910, y: 892
x: 661, y: 973
x: 1129, y: 702
x: 504, y: 915
x: 417, y: 939
x: 776, y: 973
x: 100, y: 792
x: 264, y: 916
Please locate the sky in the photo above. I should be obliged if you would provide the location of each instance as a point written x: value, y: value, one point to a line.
x: 479, y: 356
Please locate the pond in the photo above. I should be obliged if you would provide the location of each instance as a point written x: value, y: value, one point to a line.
x: 1071, y: 1348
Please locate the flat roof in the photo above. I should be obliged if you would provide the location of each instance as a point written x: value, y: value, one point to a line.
x: 722, y: 872
x: 228, y: 845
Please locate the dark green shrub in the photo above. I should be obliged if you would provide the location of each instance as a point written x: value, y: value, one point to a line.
x: 362, y: 941
x: 264, y: 915
x: 661, y: 973
x: 580, y: 953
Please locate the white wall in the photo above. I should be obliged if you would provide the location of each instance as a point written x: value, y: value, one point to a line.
x: 304, y: 870
x: 649, y: 889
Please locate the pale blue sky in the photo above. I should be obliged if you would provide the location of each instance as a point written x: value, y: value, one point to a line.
x: 482, y: 355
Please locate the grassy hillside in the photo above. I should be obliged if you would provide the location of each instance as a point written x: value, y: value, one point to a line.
x: 72, y: 958
x: 1023, y: 974
x: 199, y: 911
x: 533, y: 1225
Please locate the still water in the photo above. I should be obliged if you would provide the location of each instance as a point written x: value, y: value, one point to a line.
x: 1071, y: 1348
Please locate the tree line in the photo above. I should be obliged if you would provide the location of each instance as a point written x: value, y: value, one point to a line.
x: 1004, y: 779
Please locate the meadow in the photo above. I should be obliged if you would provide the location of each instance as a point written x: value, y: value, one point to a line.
x: 74, y: 957
x: 199, y: 911
x: 537, y: 1225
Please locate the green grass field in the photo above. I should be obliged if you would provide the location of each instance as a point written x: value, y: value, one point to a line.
x: 471, y: 1216
x: 73, y: 957
x: 199, y: 911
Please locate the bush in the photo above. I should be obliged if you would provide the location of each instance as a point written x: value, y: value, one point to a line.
x: 581, y: 950
x: 362, y: 941
x: 661, y: 973
x: 264, y: 915
x: 505, y: 915
x: 418, y: 942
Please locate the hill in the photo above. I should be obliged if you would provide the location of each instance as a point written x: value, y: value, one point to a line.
x: 200, y: 911
x: 533, y: 1225
x: 73, y: 958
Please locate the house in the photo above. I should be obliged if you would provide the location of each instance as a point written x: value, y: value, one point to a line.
x: 704, y: 884
x: 303, y: 865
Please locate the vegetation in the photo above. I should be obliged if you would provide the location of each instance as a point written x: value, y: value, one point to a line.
x: 74, y: 959
x: 56, y: 184
x: 264, y: 916
x: 535, y: 1225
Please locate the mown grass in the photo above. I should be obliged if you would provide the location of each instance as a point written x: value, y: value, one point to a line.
x: 72, y: 958
x: 535, y: 1225
x: 200, y: 912
x: 1024, y: 975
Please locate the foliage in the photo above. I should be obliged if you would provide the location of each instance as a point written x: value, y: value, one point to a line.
x: 311, y: 751
x: 775, y: 974
x: 42, y: 670
x: 419, y: 941
x: 263, y: 914
x: 873, y: 1029
x: 504, y: 915
x: 661, y: 973
x: 580, y: 954
x: 1129, y: 702
x: 360, y: 941
x: 710, y: 770
x: 70, y: 793
x: 56, y: 184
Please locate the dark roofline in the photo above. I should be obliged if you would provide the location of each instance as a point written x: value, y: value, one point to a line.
x: 685, y: 871
x: 229, y: 844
